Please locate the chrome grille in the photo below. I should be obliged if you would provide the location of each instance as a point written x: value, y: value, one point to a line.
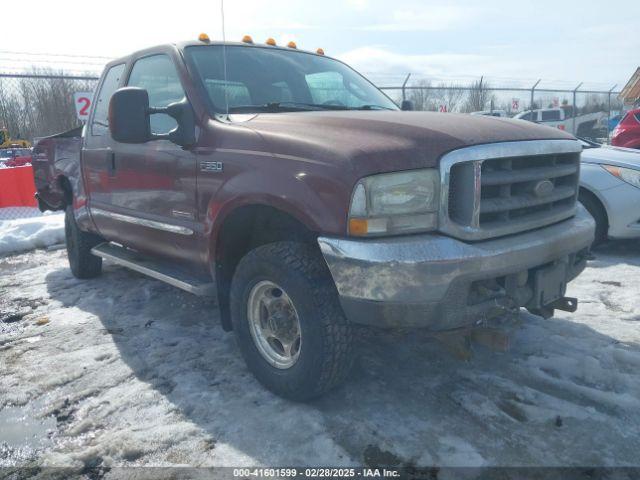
x: 507, y: 188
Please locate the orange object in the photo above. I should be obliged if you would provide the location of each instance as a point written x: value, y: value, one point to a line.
x: 320, y: 51
x: 358, y: 226
x: 247, y: 39
x: 292, y: 44
x: 18, y: 188
x: 271, y: 41
x: 203, y: 37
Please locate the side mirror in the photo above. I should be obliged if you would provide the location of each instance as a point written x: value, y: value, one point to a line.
x: 406, y: 105
x: 185, y: 133
x: 129, y: 115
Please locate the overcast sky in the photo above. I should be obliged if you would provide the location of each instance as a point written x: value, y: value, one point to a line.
x: 511, y: 42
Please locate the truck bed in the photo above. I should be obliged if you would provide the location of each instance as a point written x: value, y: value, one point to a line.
x: 56, y: 160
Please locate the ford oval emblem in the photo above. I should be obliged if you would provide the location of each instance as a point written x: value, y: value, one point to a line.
x: 543, y: 188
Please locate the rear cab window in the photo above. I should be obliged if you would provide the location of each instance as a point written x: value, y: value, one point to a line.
x: 329, y: 88
x: 550, y: 115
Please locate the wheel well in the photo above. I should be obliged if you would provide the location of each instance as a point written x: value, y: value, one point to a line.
x: 596, y: 201
x: 243, y: 230
x: 65, y: 186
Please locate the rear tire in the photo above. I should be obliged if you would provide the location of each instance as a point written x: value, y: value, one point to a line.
x: 597, y: 211
x: 324, y: 352
x: 79, y: 244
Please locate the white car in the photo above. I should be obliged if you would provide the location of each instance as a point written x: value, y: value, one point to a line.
x: 610, y: 189
x: 562, y: 118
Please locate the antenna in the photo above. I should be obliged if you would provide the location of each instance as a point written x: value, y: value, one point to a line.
x: 224, y: 61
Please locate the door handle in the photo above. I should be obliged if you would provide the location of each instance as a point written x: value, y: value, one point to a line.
x: 111, y: 163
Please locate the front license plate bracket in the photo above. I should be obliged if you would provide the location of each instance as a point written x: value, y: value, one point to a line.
x: 549, y: 284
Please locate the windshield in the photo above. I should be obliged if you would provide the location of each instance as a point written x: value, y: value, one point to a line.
x: 270, y: 79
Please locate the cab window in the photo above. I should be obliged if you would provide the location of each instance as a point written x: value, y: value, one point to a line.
x: 158, y: 76
x: 100, y: 122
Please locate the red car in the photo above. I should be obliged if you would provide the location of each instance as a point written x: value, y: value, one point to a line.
x: 15, y: 157
x: 627, y: 133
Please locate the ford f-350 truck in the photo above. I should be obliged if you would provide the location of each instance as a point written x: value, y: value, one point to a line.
x: 289, y: 187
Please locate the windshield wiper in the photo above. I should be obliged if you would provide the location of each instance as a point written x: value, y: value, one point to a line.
x: 284, y: 107
x: 371, y: 107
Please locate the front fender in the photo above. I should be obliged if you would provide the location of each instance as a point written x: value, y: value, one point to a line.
x: 317, y: 201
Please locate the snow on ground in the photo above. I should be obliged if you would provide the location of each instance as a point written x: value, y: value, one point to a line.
x: 124, y: 370
x: 24, y: 234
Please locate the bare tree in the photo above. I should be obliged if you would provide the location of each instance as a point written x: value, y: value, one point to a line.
x: 423, y: 97
x: 450, y: 95
x: 479, y: 96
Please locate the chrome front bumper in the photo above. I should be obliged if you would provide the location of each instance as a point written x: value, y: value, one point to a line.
x: 426, y: 280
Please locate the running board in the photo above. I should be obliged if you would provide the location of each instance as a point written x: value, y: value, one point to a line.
x: 159, y: 271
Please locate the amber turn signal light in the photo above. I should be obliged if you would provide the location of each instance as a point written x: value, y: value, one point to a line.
x: 358, y: 227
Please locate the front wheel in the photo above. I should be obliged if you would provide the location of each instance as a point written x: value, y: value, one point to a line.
x: 288, y: 321
x: 79, y: 244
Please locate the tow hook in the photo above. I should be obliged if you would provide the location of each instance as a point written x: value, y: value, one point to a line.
x: 566, y: 304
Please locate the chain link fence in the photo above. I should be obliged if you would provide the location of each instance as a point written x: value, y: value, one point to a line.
x: 588, y: 113
x: 40, y: 104
x: 16, y: 213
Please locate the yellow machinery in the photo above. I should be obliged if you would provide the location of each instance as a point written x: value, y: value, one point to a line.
x: 7, y: 142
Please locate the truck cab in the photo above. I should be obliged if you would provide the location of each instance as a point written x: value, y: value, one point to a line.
x: 290, y: 188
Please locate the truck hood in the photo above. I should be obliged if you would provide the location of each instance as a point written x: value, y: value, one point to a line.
x: 381, y: 141
x: 618, y: 156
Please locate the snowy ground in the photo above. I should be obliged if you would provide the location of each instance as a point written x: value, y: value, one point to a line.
x: 124, y: 370
x: 34, y: 231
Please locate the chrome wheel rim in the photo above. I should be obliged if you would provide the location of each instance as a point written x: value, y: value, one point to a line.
x: 274, y: 324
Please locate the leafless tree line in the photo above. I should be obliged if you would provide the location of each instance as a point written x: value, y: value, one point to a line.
x: 452, y: 96
x: 38, y: 105
x: 480, y: 95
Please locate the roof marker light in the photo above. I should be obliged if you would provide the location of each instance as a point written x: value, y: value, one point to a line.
x: 292, y: 44
x: 203, y: 37
x: 271, y: 41
x: 247, y: 39
x: 320, y: 51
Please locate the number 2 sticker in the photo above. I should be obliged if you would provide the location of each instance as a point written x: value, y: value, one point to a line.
x: 82, y: 101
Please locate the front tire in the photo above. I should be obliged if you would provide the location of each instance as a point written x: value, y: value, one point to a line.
x: 274, y: 286
x: 82, y: 262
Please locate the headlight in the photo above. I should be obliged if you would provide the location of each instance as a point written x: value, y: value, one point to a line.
x: 393, y: 203
x: 628, y: 175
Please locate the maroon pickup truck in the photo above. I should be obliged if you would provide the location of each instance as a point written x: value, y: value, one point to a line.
x: 289, y: 187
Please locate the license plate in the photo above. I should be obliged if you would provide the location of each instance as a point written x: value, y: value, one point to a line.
x: 550, y: 284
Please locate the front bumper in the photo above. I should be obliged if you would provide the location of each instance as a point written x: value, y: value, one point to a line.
x: 438, y: 282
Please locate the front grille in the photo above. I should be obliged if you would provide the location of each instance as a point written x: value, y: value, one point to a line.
x: 509, y: 188
x: 499, y: 196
